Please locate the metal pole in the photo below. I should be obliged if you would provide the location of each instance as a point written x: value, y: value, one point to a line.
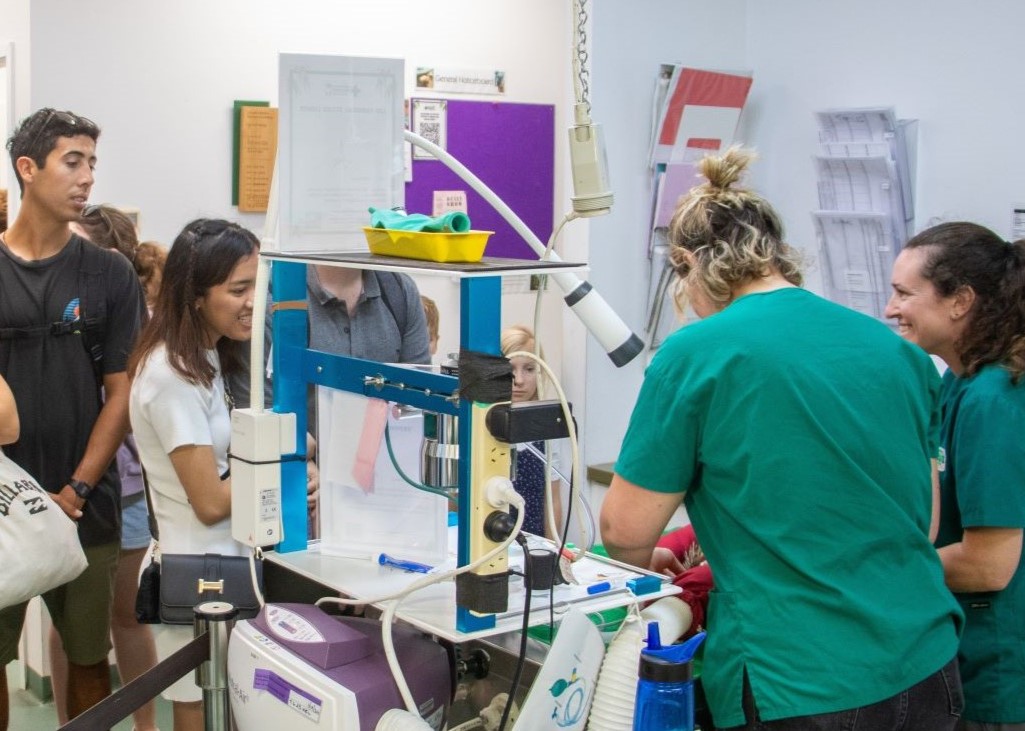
x: 217, y: 619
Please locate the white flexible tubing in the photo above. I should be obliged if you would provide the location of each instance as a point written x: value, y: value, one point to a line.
x: 394, y: 600
x: 388, y: 618
x: 596, y: 314
x: 546, y: 457
x: 577, y: 475
x: 610, y: 709
x: 568, y: 282
x: 513, y: 498
x: 585, y: 518
x: 397, y: 719
x: 472, y: 724
x: 674, y: 617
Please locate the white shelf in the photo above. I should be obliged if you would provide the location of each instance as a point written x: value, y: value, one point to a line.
x: 433, y: 608
x: 486, y: 267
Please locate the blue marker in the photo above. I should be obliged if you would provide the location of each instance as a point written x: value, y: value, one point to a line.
x: 421, y: 568
x: 600, y: 587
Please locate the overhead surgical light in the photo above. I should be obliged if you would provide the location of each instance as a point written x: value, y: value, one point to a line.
x: 592, y: 193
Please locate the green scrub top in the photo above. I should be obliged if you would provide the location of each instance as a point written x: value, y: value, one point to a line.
x: 982, y: 484
x: 802, y: 434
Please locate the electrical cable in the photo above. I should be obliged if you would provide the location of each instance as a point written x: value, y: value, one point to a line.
x: 510, y: 495
x: 528, y: 572
x: 514, y: 499
x: 546, y: 458
x: 576, y: 471
x: 588, y: 517
x: 256, y: 553
x: 543, y: 278
x: 446, y: 492
x: 618, y: 341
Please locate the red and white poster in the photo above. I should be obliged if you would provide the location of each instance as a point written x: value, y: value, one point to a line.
x: 699, y: 115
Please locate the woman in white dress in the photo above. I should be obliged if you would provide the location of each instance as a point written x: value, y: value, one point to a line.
x: 179, y: 407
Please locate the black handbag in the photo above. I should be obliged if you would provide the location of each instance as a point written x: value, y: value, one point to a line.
x: 147, y: 600
x: 188, y: 579
x: 173, y: 584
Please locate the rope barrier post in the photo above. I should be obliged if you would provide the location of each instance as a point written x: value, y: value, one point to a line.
x: 216, y: 619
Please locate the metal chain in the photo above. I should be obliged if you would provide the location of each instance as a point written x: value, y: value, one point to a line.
x: 582, y: 55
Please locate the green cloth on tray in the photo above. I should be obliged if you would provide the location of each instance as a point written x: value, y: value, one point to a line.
x: 451, y: 222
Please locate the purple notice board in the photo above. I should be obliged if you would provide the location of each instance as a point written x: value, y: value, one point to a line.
x: 511, y: 148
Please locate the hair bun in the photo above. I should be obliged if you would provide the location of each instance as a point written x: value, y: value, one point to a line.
x: 724, y: 170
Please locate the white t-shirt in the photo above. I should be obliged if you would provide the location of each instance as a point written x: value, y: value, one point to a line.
x: 168, y: 412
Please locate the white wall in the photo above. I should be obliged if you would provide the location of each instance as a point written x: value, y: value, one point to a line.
x: 14, y: 35
x: 630, y: 41
x: 160, y: 80
x: 942, y: 62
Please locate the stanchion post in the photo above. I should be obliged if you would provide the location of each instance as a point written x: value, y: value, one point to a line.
x: 217, y: 619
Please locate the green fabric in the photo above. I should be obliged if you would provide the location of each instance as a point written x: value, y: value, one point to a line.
x: 982, y: 484
x: 801, y: 432
x: 451, y: 222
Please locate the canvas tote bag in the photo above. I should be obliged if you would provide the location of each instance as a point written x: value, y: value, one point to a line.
x: 38, y: 541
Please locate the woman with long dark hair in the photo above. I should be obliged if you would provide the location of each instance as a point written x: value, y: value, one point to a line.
x: 179, y: 405
x: 959, y: 293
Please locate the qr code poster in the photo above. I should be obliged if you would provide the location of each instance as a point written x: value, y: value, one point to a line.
x: 430, y: 121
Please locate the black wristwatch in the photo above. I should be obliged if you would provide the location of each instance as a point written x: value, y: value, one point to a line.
x: 82, y: 489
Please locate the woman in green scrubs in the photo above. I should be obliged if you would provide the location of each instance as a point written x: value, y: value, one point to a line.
x: 799, y: 435
x: 959, y: 293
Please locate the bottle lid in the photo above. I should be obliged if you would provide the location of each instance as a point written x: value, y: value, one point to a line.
x: 656, y: 670
x: 670, y: 664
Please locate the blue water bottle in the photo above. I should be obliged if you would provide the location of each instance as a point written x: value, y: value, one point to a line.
x: 665, y: 687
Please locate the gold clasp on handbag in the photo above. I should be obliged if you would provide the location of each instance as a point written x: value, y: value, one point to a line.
x: 217, y: 586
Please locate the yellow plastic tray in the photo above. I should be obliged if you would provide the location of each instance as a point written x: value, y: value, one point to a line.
x: 428, y: 246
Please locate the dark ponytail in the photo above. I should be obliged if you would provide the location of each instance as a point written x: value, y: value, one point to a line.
x: 962, y: 254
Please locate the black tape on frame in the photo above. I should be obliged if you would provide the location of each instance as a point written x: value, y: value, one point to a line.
x: 484, y: 378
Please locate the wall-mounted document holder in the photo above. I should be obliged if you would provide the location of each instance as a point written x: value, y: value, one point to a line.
x: 865, y: 173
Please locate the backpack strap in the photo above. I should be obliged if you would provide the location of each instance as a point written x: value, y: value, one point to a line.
x: 90, y: 324
x: 394, y: 296
x: 93, y: 299
x: 392, y: 292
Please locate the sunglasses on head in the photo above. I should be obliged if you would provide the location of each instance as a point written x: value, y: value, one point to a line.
x: 66, y: 117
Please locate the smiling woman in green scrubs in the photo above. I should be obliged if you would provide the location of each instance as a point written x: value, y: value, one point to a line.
x: 799, y: 434
x: 959, y: 292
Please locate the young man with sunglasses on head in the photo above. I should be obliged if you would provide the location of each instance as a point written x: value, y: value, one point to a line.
x: 69, y: 314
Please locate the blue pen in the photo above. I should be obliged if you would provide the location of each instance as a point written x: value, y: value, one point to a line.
x: 421, y: 568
